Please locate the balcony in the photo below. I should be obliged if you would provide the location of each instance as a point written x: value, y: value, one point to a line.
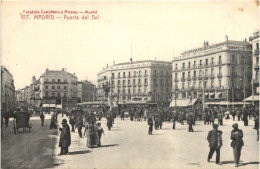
x: 194, y: 66
x: 233, y: 74
x: 124, y: 85
x: 129, y: 76
x: 129, y: 85
x: 220, y: 62
x: 139, y: 75
x: 124, y: 77
x: 183, y: 79
x: 134, y: 76
x: 176, y: 79
x: 200, y: 66
x: 113, y: 77
x: 206, y: 65
x: 154, y: 75
x: 189, y: 78
x: 212, y: 76
x: 176, y: 69
x: 183, y: 68
x: 194, y: 78
x: 134, y: 85
x: 189, y: 67
x: 139, y: 84
x: 118, y: 85
x: 256, y: 66
x: 212, y: 64
x: 145, y: 75
x: 146, y: 84
x: 219, y: 75
x: 113, y: 86
x: 200, y: 77
x: 118, y: 77
x: 256, y: 52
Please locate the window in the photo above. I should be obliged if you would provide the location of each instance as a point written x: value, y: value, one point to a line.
x: 139, y: 81
x: 212, y: 60
x: 212, y: 84
x: 176, y: 75
x: 219, y: 82
x: 200, y: 84
x: 206, y: 83
x: 183, y: 65
x: 200, y: 72
x: 145, y: 81
x: 65, y: 94
x: 46, y: 94
x: 145, y: 72
x: 113, y: 83
x: 46, y: 80
x: 183, y: 85
x: 207, y: 62
x: 200, y: 62
x: 161, y: 72
x: 145, y: 90
x: 128, y: 81
x: 58, y: 95
x: 212, y: 70
x: 53, y: 94
x: 206, y: 72
x: 53, y: 80
x: 189, y: 64
x: 65, y: 87
x: 134, y: 81
x: 65, y: 80
x: 194, y: 84
x: 194, y: 73
x: 118, y: 74
x: 183, y: 75
x: 257, y: 45
x: 155, y: 72
x: 129, y: 74
x: 123, y: 82
x: 118, y: 82
x: 58, y: 80
x: 123, y: 74
x: 161, y: 81
x: 176, y: 66
x: 194, y: 63
x: 188, y: 74
x: 188, y: 84
x: 113, y: 75
x: 129, y: 91
x: 53, y: 87
x: 219, y: 70
x: 58, y: 87
x: 46, y: 87
x: 219, y: 59
x: 233, y: 58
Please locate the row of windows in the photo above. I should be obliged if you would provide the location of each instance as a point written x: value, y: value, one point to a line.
x: 137, y: 73
x: 208, y: 62
x: 139, y: 81
x: 54, y: 80
x: 206, y: 84
x: 58, y: 87
x: 53, y: 94
x: 139, y: 91
x: 200, y: 72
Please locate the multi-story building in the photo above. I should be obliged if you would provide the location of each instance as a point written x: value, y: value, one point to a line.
x: 255, y: 58
x: 86, y: 91
x: 59, y: 88
x: 223, y: 68
x: 147, y: 80
x: 7, y: 92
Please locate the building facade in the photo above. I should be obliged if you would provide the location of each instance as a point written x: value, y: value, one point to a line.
x: 7, y: 92
x: 221, y: 72
x: 255, y: 59
x: 148, y: 80
x: 86, y: 91
x: 59, y: 88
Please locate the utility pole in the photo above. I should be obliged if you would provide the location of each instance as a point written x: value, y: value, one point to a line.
x: 203, y: 91
x: 244, y: 104
x: 253, y: 92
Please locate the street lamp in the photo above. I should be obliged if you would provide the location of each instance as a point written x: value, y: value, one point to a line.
x: 242, y: 78
x: 176, y: 89
x: 106, y: 88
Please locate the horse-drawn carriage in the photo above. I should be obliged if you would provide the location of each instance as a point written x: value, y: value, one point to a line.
x: 22, y: 120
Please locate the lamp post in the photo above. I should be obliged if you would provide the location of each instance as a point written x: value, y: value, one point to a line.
x: 106, y: 88
x: 244, y: 87
x: 176, y: 95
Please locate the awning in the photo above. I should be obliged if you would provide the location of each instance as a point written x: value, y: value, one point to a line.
x: 48, y: 105
x: 183, y: 102
x: 211, y: 94
x: 206, y: 94
x: 251, y: 98
x: 225, y: 103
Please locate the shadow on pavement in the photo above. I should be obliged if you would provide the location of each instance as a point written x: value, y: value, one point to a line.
x: 196, y: 131
x: 115, y: 129
x: 110, y: 145
x: 80, y: 152
x: 193, y: 163
x: 228, y: 162
x: 256, y: 162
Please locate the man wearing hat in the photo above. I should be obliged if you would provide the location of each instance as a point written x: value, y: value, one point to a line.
x: 65, y: 139
x: 215, y: 142
x: 237, y: 142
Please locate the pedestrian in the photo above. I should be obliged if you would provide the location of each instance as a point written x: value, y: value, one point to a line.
x: 53, y: 123
x: 109, y: 120
x: 233, y: 113
x: 237, y: 143
x: 215, y: 142
x: 150, y: 123
x: 100, y: 132
x: 42, y: 118
x: 65, y: 138
x: 220, y: 119
x: 6, y: 117
x: 72, y: 123
x: 257, y: 125
x: 245, y: 117
x: 79, y: 126
x: 123, y: 115
x: 190, y: 122
x: 174, y: 119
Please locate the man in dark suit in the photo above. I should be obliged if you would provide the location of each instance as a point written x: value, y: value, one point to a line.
x: 237, y: 142
x: 215, y: 142
x: 65, y: 138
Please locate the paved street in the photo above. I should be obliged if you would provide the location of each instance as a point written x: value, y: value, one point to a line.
x: 28, y: 150
x: 128, y: 145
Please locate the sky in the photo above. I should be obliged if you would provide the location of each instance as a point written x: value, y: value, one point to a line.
x: 155, y: 30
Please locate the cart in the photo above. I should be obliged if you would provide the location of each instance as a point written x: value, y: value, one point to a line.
x: 22, y: 120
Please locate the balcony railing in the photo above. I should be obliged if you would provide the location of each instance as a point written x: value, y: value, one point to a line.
x: 219, y: 75
x: 206, y: 77
x: 145, y: 75
x: 212, y: 63
x: 118, y: 77
x: 200, y: 77
x: 134, y: 85
x: 183, y: 79
x: 256, y: 66
x: 146, y: 84
x: 176, y: 80
x: 119, y: 85
x: 129, y: 85
x: 129, y: 76
x: 113, y: 77
x: 194, y: 78
x: 220, y: 62
x: 183, y: 68
x: 200, y: 66
x: 134, y: 75
x: 139, y: 75
x: 194, y: 66
x: 124, y: 77
x: 176, y: 68
x: 139, y: 84
x: 189, y: 67
x: 256, y: 52
x: 189, y: 78
x: 206, y: 65
x: 124, y: 85
x: 212, y: 76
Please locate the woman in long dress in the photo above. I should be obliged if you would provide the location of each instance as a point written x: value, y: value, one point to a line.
x: 92, y: 135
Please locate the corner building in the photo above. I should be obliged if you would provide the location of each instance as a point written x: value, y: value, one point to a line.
x: 223, y: 68
x: 147, y: 80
